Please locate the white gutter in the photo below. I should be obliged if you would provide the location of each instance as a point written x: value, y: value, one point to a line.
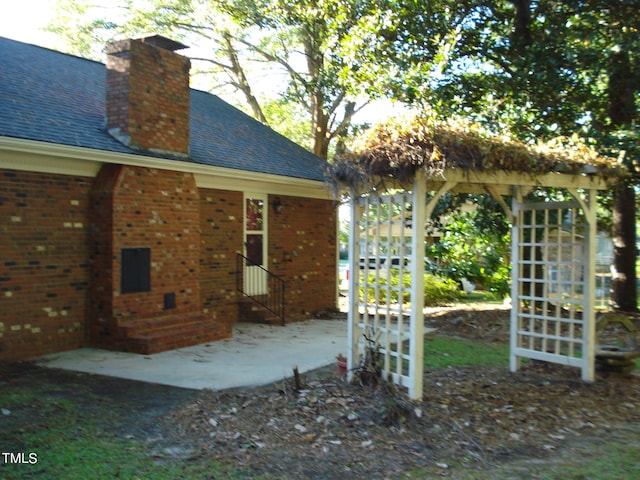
x: 36, y: 156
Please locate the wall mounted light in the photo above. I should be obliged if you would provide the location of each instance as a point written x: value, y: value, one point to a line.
x: 277, y: 205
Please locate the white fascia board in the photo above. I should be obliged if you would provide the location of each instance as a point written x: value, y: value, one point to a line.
x: 245, y: 181
x: 502, y: 179
x: 35, y: 156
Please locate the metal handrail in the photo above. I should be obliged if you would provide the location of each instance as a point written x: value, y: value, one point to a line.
x: 273, y: 299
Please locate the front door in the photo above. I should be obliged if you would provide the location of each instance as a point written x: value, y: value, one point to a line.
x: 255, y: 243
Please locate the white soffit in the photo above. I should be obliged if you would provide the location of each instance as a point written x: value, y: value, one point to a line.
x: 33, y: 156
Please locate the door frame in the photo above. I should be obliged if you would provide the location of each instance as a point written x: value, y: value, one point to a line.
x: 255, y: 278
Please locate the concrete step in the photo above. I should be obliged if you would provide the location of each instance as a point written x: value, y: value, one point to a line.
x: 135, y: 327
x: 252, y: 312
x: 178, y: 336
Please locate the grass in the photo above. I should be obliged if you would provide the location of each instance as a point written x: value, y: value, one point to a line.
x: 604, y: 461
x: 442, y: 352
x: 601, y: 461
x: 58, y: 442
x: 608, y: 461
x: 481, y: 296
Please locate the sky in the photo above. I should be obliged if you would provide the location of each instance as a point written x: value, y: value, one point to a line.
x: 23, y: 19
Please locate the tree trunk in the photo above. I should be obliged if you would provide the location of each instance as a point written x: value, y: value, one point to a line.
x: 240, y: 80
x: 521, y: 30
x: 623, y: 285
x: 624, y: 294
x: 319, y: 120
x: 320, y: 127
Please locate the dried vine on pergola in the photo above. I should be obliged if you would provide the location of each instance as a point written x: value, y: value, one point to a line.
x: 396, y: 150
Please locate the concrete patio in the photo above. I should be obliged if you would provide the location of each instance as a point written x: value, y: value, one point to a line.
x: 255, y: 355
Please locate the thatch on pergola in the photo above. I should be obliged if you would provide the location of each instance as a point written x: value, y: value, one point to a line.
x: 394, y: 165
x: 396, y: 150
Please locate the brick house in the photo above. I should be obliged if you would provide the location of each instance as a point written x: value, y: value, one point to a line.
x: 126, y: 199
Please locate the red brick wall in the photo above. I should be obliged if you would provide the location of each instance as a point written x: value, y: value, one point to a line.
x: 302, y: 248
x: 221, y: 217
x: 148, y: 95
x: 44, y: 270
x: 306, y: 226
x: 136, y: 207
x: 50, y: 238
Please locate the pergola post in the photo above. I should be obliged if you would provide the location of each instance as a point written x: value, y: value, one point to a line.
x: 589, y: 329
x: 514, y: 360
x: 416, y: 338
x: 354, y: 272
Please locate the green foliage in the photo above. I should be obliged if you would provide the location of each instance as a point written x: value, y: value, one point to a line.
x: 437, y: 290
x: 440, y: 291
x: 289, y: 120
x: 475, y: 246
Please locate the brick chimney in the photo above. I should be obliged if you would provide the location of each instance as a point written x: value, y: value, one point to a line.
x: 148, y: 95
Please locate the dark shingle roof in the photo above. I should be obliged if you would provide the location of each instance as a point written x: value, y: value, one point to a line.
x: 53, y: 97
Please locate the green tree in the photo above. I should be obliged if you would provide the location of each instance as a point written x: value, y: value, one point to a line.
x: 475, y: 246
x: 542, y: 69
x: 328, y: 53
x: 244, y: 47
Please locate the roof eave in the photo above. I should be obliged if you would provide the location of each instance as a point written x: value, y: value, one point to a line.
x: 35, y: 156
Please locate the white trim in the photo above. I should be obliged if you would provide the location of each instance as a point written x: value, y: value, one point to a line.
x: 353, y: 332
x: 264, y: 183
x: 416, y: 339
x: 504, y: 180
x: 41, y: 162
x: 255, y: 278
x: 35, y: 156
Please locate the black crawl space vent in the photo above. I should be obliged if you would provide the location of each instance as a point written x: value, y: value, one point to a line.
x: 136, y: 270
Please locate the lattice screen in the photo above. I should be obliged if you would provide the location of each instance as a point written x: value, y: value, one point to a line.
x: 380, y: 313
x: 550, y: 262
x: 553, y: 258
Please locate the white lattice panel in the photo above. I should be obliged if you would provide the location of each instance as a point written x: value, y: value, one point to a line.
x: 386, y: 291
x: 551, y: 272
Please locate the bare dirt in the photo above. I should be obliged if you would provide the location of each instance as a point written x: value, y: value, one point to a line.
x: 479, y: 417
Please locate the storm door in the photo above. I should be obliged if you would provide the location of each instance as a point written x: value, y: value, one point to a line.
x: 255, y: 244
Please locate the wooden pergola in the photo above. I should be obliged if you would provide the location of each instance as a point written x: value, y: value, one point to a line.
x: 547, y: 239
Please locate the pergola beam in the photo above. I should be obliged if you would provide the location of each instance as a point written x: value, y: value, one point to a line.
x: 502, y: 183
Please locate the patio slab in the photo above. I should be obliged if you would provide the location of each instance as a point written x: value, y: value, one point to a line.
x: 255, y: 355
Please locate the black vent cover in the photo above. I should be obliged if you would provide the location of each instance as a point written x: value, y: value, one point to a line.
x: 136, y: 270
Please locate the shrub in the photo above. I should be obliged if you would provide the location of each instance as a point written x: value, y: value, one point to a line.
x: 437, y: 290
x: 440, y: 291
x: 478, y: 254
